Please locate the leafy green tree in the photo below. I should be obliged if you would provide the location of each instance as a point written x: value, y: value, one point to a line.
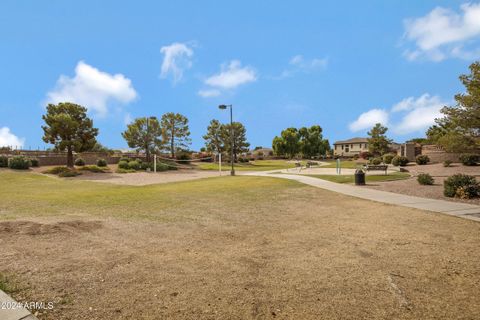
x: 312, y: 143
x: 98, y: 147
x: 240, y: 143
x: 288, y: 144
x: 459, y: 129
x: 175, y: 128
x: 67, y: 127
x: 145, y: 134
x: 378, y: 143
x: 213, y: 138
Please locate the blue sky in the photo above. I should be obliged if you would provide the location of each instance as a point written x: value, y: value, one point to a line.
x: 342, y: 66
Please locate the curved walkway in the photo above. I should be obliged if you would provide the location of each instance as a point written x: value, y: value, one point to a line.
x: 462, y: 210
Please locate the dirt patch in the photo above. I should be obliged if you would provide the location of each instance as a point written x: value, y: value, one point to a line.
x: 36, y: 228
x: 301, y: 253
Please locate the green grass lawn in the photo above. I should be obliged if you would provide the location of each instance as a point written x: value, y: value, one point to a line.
x: 30, y: 194
x: 369, y: 178
x: 258, y: 165
x: 347, y: 164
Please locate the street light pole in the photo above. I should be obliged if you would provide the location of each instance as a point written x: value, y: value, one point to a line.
x: 232, y: 142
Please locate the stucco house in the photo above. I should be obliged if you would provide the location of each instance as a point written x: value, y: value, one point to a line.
x: 350, y: 147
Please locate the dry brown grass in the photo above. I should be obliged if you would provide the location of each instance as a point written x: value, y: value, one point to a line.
x: 296, y: 253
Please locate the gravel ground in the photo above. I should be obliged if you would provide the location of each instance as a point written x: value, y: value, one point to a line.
x: 440, y: 173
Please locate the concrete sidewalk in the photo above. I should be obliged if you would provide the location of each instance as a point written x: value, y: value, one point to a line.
x: 8, y: 311
x: 462, y: 210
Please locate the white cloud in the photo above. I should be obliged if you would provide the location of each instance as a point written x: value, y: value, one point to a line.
x: 444, y: 33
x: 177, y: 58
x: 417, y: 114
x: 232, y: 75
x: 299, y: 64
x: 368, y: 119
x: 209, y: 93
x: 93, y: 89
x: 8, y: 139
x: 411, y: 115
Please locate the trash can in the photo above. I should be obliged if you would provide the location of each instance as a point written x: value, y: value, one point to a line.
x: 359, y: 177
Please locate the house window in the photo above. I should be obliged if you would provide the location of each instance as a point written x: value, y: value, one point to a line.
x: 342, y: 146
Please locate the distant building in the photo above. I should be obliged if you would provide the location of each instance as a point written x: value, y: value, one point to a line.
x: 350, y: 147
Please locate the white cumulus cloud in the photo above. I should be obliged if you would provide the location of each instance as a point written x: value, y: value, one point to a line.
x: 176, y: 59
x: 93, y: 89
x: 231, y: 76
x: 368, y: 119
x: 444, y: 33
x: 417, y: 113
x: 8, y: 139
x: 411, y: 115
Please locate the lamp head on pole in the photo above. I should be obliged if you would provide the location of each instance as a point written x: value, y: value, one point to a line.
x: 222, y: 106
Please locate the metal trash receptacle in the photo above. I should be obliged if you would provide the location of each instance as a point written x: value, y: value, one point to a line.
x: 359, y: 177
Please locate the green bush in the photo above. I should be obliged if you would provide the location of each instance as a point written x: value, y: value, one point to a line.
x: 139, y: 160
x: 422, y: 159
x: 375, y: 161
x: 34, y: 162
x: 120, y: 170
x: 425, y: 179
x: 19, y: 163
x: 56, y: 170
x: 134, y: 165
x: 123, y: 164
x: 93, y: 168
x: 126, y: 159
x: 469, y: 159
x: 400, y: 161
x: 79, y: 162
x: 3, y: 161
x: 69, y: 173
x: 160, y: 166
x: 462, y: 186
x: 101, y: 162
x: 183, y: 156
x: 447, y: 163
x: 387, y: 158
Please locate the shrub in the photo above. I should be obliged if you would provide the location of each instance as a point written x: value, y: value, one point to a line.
x: 126, y: 159
x: 425, y: 179
x: 123, y: 164
x: 387, y: 158
x: 365, y: 155
x: 69, y: 173
x: 139, y: 160
x: 375, y: 161
x: 3, y: 161
x: 19, y: 163
x: 56, y: 170
x: 259, y: 158
x: 447, y: 163
x: 422, y: 159
x: 101, y: 162
x: 120, y: 170
x: 184, y: 156
x: 134, y: 165
x: 160, y: 166
x: 79, y: 162
x: 461, y: 185
x: 400, y: 161
x: 469, y: 159
x: 355, y: 157
x: 145, y: 165
x: 34, y: 162
x: 93, y: 168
